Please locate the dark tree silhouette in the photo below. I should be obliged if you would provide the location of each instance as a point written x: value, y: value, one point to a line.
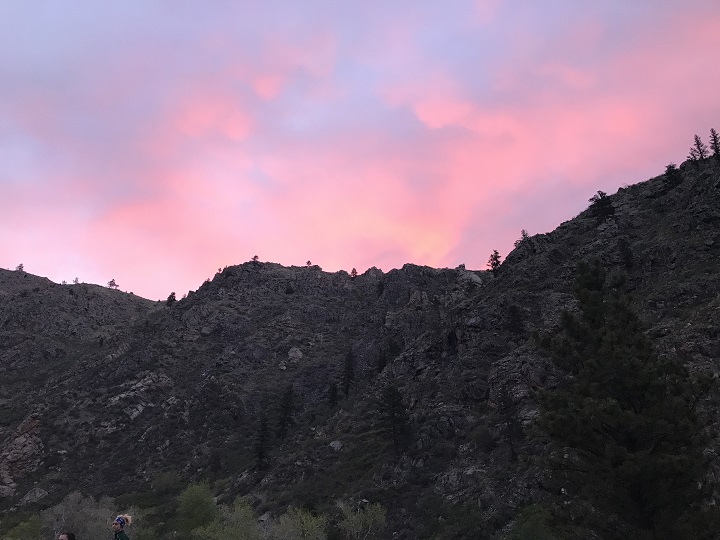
x: 624, y: 419
x: 170, y: 299
x: 601, y: 206
x: 672, y: 176
x: 353, y: 273
x: 715, y: 143
x: 494, y: 262
x: 524, y: 236
x: 393, y: 416
x: 699, y: 150
x: 112, y: 284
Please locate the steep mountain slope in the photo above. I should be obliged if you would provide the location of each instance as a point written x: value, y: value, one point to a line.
x: 95, y: 381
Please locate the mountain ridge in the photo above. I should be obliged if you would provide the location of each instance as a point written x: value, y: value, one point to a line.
x: 97, y: 380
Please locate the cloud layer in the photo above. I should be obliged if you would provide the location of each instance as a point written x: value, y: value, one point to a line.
x: 153, y: 142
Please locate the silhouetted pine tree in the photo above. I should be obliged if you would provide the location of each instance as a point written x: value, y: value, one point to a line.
x: 715, y: 143
x: 393, y: 416
x: 524, y: 236
x: 699, y: 150
x: 494, y: 262
x: 628, y: 437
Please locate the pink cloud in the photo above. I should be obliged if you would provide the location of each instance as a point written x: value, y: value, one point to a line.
x: 203, y: 119
x: 405, y: 141
x: 486, y: 10
x: 267, y: 86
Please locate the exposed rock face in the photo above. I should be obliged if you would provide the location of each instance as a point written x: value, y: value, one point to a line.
x: 33, y: 496
x: 122, y: 383
x: 20, y: 456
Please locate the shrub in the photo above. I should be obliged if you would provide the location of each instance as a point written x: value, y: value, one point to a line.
x: 235, y: 523
x: 298, y: 524
x: 196, y: 508
x: 601, y: 206
x: 367, y: 521
x: 28, y: 530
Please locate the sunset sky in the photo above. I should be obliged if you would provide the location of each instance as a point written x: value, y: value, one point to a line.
x: 153, y: 142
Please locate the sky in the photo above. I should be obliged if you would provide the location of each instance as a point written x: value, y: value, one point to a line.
x: 155, y: 141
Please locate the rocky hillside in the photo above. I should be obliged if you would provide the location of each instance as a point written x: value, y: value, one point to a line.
x: 104, y: 391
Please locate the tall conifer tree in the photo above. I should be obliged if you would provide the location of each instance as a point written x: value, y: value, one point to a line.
x: 394, y: 418
x: 627, y: 435
x: 715, y: 143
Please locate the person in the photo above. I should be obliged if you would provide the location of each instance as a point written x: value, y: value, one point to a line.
x: 118, y: 526
x: 66, y: 536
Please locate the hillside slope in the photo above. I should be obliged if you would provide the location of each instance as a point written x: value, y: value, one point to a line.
x: 95, y: 381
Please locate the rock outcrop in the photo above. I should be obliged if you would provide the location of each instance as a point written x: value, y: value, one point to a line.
x: 116, y: 382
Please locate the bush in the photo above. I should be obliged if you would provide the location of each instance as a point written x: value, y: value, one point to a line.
x: 298, y: 524
x: 235, y: 523
x: 367, y: 521
x: 196, y: 508
x: 84, y: 516
x: 28, y: 530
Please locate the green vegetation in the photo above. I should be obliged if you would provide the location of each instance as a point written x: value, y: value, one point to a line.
x: 27, y: 530
x: 194, y: 515
x: 629, y: 440
x: 196, y: 508
x: 365, y: 522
